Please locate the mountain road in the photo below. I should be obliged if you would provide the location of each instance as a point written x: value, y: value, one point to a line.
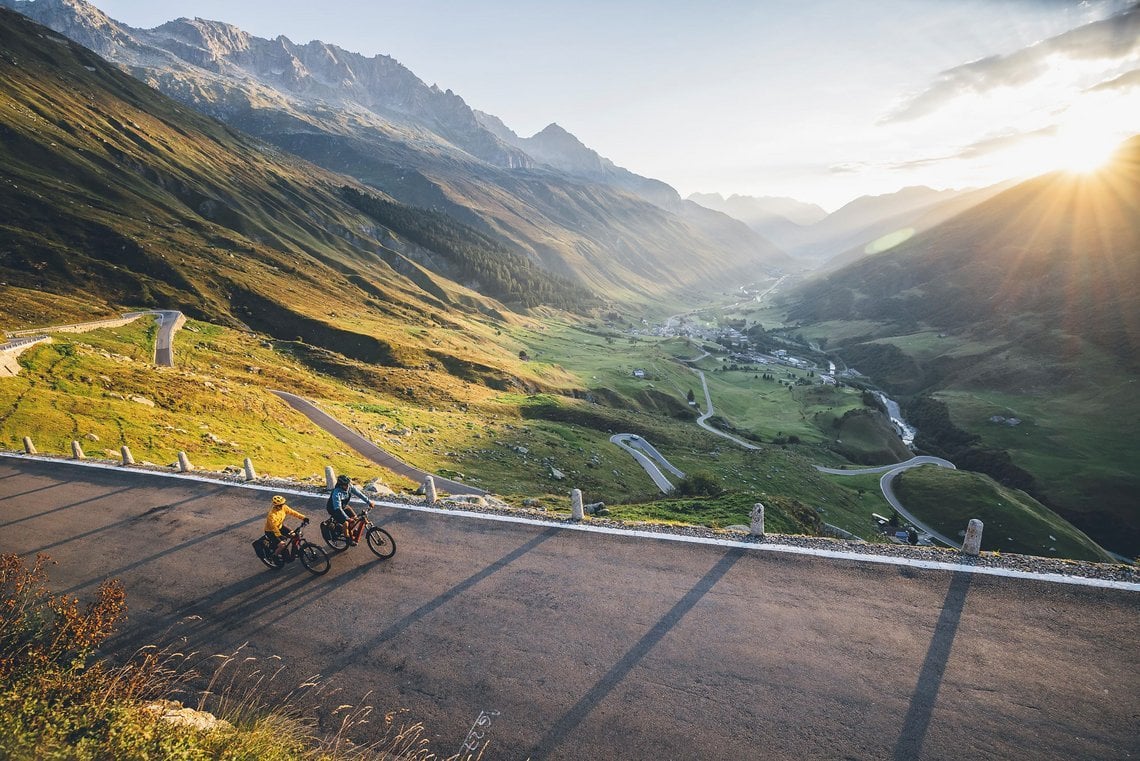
x: 577, y: 644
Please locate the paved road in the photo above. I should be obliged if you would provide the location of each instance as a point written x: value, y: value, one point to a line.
x: 886, y: 484
x: 709, y: 413
x: 592, y: 646
x: 370, y: 450
x: 642, y: 451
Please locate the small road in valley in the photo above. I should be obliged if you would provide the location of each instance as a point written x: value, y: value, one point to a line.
x: 886, y: 484
x: 370, y: 450
x: 648, y: 457
x: 577, y: 644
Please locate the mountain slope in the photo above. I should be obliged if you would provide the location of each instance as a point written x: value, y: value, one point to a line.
x: 1056, y: 255
x: 374, y: 120
x: 117, y: 193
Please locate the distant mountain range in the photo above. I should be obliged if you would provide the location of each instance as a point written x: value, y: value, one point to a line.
x: 868, y: 224
x: 547, y: 197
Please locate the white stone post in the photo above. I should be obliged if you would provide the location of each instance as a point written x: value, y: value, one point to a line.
x: 576, y: 504
x: 757, y: 525
x: 128, y: 458
x: 77, y: 451
x: 29, y: 447
x: 330, y: 477
x: 184, y: 463
x: 250, y: 474
x: 429, y: 490
x: 973, y: 543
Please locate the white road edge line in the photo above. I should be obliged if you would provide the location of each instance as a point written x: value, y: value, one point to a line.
x: 1053, y: 578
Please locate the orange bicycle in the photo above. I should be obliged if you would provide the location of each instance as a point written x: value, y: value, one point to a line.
x: 378, y: 539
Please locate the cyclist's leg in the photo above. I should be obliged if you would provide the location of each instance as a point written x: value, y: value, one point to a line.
x: 356, y: 524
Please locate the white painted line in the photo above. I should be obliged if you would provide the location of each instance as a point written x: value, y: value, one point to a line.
x: 933, y: 565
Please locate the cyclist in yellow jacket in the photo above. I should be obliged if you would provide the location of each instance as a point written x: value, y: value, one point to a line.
x: 275, y: 531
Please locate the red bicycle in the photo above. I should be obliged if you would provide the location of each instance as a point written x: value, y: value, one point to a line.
x: 293, y: 547
x: 379, y: 540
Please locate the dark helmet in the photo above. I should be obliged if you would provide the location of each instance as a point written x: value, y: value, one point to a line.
x: 343, y: 480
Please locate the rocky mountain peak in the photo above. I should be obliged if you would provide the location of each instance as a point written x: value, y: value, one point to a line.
x: 76, y: 20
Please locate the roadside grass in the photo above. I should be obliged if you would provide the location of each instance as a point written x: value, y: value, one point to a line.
x: 62, y: 699
x: 1013, y: 521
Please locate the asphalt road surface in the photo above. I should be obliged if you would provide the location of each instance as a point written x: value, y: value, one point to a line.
x: 579, y: 645
x: 370, y: 450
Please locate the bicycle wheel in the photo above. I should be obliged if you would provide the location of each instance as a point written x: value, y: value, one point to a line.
x: 314, y: 558
x: 381, y: 542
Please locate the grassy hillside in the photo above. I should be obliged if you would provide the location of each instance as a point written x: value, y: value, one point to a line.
x: 1013, y: 521
x: 215, y: 405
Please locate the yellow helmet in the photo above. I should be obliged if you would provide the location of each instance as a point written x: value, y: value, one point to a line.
x: 278, y: 500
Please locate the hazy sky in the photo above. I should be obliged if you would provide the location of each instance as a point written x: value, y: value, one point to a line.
x: 821, y: 100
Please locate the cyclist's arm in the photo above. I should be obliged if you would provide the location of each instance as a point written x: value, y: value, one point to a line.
x: 294, y: 513
x: 354, y: 489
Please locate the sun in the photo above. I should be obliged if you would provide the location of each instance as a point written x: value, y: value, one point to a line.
x: 1081, y: 150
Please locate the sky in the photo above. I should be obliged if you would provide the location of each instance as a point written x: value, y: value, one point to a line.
x: 818, y: 100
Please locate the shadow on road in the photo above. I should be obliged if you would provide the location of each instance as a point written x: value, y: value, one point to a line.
x: 350, y: 656
x: 145, y: 536
x: 64, y: 507
x: 917, y: 720
x: 29, y: 491
x: 572, y: 718
x: 132, y: 519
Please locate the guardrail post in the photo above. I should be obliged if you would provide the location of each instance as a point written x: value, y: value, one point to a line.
x: 576, y: 504
x: 249, y: 472
x: 128, y: 458
x: 429, y: 490
x: 973, y: 543
x: 29, y: 447
x: 756, y: 527
x: 77, y: 451
x: 330, y: 477
x: 184, y: 463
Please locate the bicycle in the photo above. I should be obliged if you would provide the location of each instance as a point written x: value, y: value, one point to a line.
x: 378, y: 539
x: 314, y: 558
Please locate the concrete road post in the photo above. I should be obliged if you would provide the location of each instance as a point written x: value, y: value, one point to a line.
x: 429, y: 490
x: 128, y: 458
x: 250, y: 474
x: 756, y: 528
x: 184, y: 463
x: 576, y: 504
x: 29, y: 447
x: 973, y: 543
x: 77, y: 451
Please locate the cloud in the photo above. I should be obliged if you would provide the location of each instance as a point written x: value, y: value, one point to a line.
x: 1111, y: 39
x: 1125, y: 81
x: 984, y: 147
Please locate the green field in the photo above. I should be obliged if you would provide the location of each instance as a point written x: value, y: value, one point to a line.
x: 1013, y: 521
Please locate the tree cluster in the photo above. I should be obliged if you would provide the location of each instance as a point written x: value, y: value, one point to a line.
x: 498, y: 271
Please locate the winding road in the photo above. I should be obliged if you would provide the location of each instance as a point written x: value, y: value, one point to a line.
x: 645, y: 454
x: 885, y: 484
